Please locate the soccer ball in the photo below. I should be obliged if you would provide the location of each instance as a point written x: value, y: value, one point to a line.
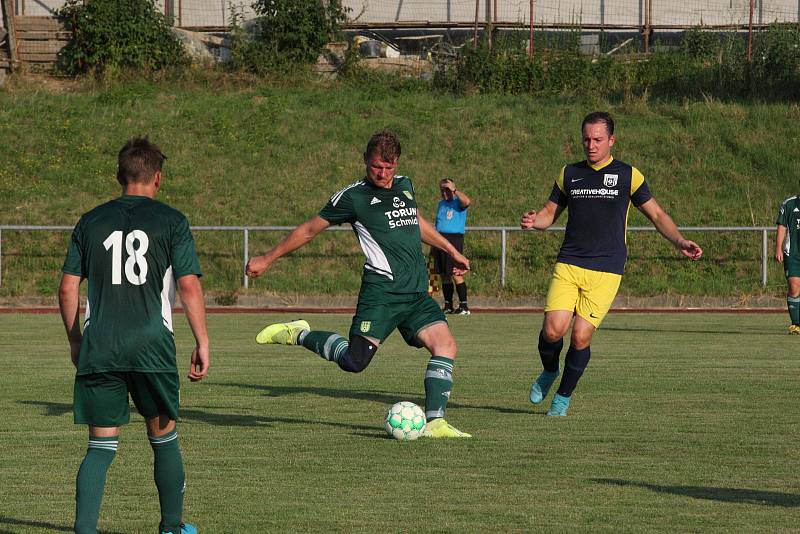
x: 404, y: 421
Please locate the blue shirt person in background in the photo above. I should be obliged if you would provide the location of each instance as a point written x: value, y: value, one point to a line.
x: 451, y: 221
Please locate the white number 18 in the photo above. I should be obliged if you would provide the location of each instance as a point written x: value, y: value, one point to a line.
x: 135, y: 256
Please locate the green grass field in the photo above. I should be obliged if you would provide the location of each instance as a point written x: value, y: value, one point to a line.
x: 682, y: 423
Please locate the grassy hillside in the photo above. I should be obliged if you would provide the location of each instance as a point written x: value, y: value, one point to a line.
x: 270, y: 155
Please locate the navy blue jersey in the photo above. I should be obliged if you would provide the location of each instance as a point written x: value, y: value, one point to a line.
x: 598, y: 199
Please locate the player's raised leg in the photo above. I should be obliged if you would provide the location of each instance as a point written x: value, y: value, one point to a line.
x: 439, y: 341
x: 353, y: 355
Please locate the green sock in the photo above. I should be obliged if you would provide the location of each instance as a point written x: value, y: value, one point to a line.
x: 91, y: 482
x: 794, y: 309
x: 170, y: 480
x: 438, y: 383
x: 329, y: 345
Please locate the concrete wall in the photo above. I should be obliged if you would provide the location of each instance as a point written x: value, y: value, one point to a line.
x: 623, y: 12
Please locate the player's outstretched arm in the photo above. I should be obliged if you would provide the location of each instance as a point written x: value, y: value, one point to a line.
x: 430, y: 236
x: 779, y: 243
x: 69, y: 305
x: 542, y: 219
x: 667, y: 228
x: 193, y: 304
x: 296, y: 239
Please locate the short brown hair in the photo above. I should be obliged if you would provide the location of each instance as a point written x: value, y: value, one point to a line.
x: 599, y: 117
x: 385, y: 144
x: 139, y: 161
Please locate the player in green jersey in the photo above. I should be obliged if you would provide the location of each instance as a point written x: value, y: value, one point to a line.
x: 788, y: 253
x: 131, y: 251
x: 382, y: 209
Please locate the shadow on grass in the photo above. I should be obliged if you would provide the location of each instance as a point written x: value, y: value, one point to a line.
x: 682, y: 331
x: 383, y: 397
x: 56, y: 409
x: 733, y: 495
x: 39, y: 524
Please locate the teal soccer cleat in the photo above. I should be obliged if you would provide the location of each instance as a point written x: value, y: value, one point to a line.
x: 186, y: 528
x: 559, y: 406
x: 541, y: 386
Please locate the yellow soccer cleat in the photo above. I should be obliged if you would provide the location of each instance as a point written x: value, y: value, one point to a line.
x: 439, y: 428
x: 282, y: 333
x: 794, y: 329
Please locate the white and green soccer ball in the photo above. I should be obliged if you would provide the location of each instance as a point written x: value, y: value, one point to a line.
x: 405, y: 421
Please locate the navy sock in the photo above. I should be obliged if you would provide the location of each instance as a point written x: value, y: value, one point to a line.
x: 549, y: 353
x: 574, y: 366
x: 461, y: 290
x: 447, y: 291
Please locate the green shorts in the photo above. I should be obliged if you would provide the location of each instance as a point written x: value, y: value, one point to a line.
x: 791, y: 266
x: 101, y: 399
x: 379, y: 313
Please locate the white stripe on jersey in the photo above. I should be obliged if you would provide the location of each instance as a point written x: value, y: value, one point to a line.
x: 338, y: 195
x: 376, y: 259
x: 168, y: 298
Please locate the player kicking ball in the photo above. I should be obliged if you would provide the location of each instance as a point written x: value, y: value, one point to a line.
x: 382, y: 209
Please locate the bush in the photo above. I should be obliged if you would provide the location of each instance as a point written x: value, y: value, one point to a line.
x: 113, y: 35
x: 776, y: 60
x: 286, y: 34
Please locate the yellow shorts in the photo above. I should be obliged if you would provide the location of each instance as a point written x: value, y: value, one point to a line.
x: 587, y: 293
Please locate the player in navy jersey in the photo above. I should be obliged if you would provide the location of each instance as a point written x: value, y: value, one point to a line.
x: 451, y: 221
x: 598, y: 193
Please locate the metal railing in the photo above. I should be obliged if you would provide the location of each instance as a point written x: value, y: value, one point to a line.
x: 504, y: 230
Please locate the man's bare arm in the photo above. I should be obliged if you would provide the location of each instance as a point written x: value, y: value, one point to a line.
x: 69, y: 305
x: 296, y: 239
x: 194, y: 306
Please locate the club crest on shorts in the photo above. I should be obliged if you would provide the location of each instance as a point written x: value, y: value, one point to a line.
x: 365, y: 325
x: 408, y: 195
x: 610, y: 180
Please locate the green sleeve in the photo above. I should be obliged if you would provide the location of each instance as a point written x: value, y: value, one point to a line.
x: 184, y: 256
x: 783, y: 216
x: 339, y: 209
x: 73, y: 264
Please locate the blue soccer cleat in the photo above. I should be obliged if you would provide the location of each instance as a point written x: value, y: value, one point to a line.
x: 559, y: 406
x: 186, y: 528
x: 541, y: 386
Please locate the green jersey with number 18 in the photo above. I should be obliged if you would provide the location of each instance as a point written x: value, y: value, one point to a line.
x: 386, y: 224
x: 130, y: 250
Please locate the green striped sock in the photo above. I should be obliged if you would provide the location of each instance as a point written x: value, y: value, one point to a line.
x: 793, y: 304
x: 438, y: 384
x: 91, y: 481
x: 170, y: 479
x: 329, y: 345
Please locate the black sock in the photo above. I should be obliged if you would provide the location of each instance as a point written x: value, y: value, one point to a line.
x: 461, y: 289
x: 447, y: 291
x: 574, y: 365
x: 549, y: 353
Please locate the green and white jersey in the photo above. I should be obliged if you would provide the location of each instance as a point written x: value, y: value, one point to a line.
x: 789, y: 216
x: 385, y: 222
x: 131, y: 250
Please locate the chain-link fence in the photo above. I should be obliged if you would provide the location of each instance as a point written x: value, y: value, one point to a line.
x: 610, y: 14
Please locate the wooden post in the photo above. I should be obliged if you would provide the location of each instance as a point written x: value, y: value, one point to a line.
x: 648, y: 24
x: 531, y: 49
x: 475, y: 33
x: 750, y: 34
x: 8, y: 13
